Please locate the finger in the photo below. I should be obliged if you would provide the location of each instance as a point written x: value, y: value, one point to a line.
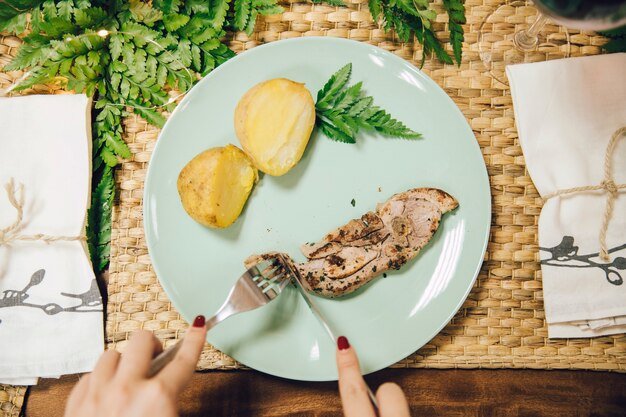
x: 177, y: 373
x: 135, y: 361
x: 352, y: 387
x: 78, y: 394
x: 105, y: 369
x: 392, y: 401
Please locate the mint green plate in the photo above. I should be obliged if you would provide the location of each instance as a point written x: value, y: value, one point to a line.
x: 387, y: 319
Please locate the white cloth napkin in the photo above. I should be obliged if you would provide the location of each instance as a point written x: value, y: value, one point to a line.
x: 51, y: 320
x: 566, y: 112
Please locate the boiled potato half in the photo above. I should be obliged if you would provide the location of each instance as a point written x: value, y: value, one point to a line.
x: 215, y: 185
x: 274, y: 121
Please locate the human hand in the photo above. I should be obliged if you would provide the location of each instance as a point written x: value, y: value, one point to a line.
x: 119, y: 387
x: 353, y: 390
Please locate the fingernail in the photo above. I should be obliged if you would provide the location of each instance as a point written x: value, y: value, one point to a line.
x: 199, y: 321
x: 342, y: 343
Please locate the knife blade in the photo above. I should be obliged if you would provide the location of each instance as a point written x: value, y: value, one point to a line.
x: 316, y: 312
x: 307, y: 298
x: 320, y: 318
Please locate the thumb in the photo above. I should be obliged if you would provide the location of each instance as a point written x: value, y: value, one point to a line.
x: 392, y: 401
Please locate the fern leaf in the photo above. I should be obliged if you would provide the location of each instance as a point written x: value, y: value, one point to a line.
x: 16, y: 25
x: 336, y: 82
x: 341, y: 111
x: 175, y: 21
x: 28, y: 56
x: 219, y: 9
x: 242, y: 13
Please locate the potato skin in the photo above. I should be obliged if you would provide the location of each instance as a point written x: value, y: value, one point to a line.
x: 273, y: 122
x: 214, y: 186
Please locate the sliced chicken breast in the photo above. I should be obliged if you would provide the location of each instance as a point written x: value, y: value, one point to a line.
x: 352, y: 255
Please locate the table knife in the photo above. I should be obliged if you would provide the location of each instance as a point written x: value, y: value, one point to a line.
x: 320, y: 317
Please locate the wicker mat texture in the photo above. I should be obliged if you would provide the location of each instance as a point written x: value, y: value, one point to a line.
x: 501, y: 324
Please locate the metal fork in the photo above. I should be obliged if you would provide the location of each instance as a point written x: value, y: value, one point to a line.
x: 258, y: 286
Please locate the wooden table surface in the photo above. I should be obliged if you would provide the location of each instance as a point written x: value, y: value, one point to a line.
x: 450, y: 393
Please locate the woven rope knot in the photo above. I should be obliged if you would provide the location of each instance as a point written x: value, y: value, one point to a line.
x: 9, y: 233
x: 608, y: 185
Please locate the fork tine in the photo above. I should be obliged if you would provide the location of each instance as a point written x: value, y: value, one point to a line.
x: 275, y: 286
x: 254, y: 272
x: 272, y: 291
x: 259, y: 271
x: 273, y: 279
x: 271, y: 294
x: 268, y: 268
x: 270, y: 282
x: 270, y: 276
x: 271, y: 272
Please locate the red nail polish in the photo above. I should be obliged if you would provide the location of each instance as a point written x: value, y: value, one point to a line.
x: 342, y: 343
x: 199, y: 321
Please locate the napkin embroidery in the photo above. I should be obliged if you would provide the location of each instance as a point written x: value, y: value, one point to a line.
x: 90, y: 300
x: 565, y: 255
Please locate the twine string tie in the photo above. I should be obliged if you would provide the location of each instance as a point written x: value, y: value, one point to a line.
x: 608, y: 185
x: 11, y: 232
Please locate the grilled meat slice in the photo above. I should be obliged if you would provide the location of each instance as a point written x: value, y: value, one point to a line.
x: 354, y: 254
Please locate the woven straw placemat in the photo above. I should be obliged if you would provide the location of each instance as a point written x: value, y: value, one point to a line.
x: 501, y: 324
x: 11, y: 400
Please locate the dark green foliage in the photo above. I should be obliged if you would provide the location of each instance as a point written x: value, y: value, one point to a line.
x: 99, y: 217
x: 126, y: 55
x: 456, y: 16
x: 617, y: 40
x: 13, y: 8
x: 415, y: 17
x: 331, y: 2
